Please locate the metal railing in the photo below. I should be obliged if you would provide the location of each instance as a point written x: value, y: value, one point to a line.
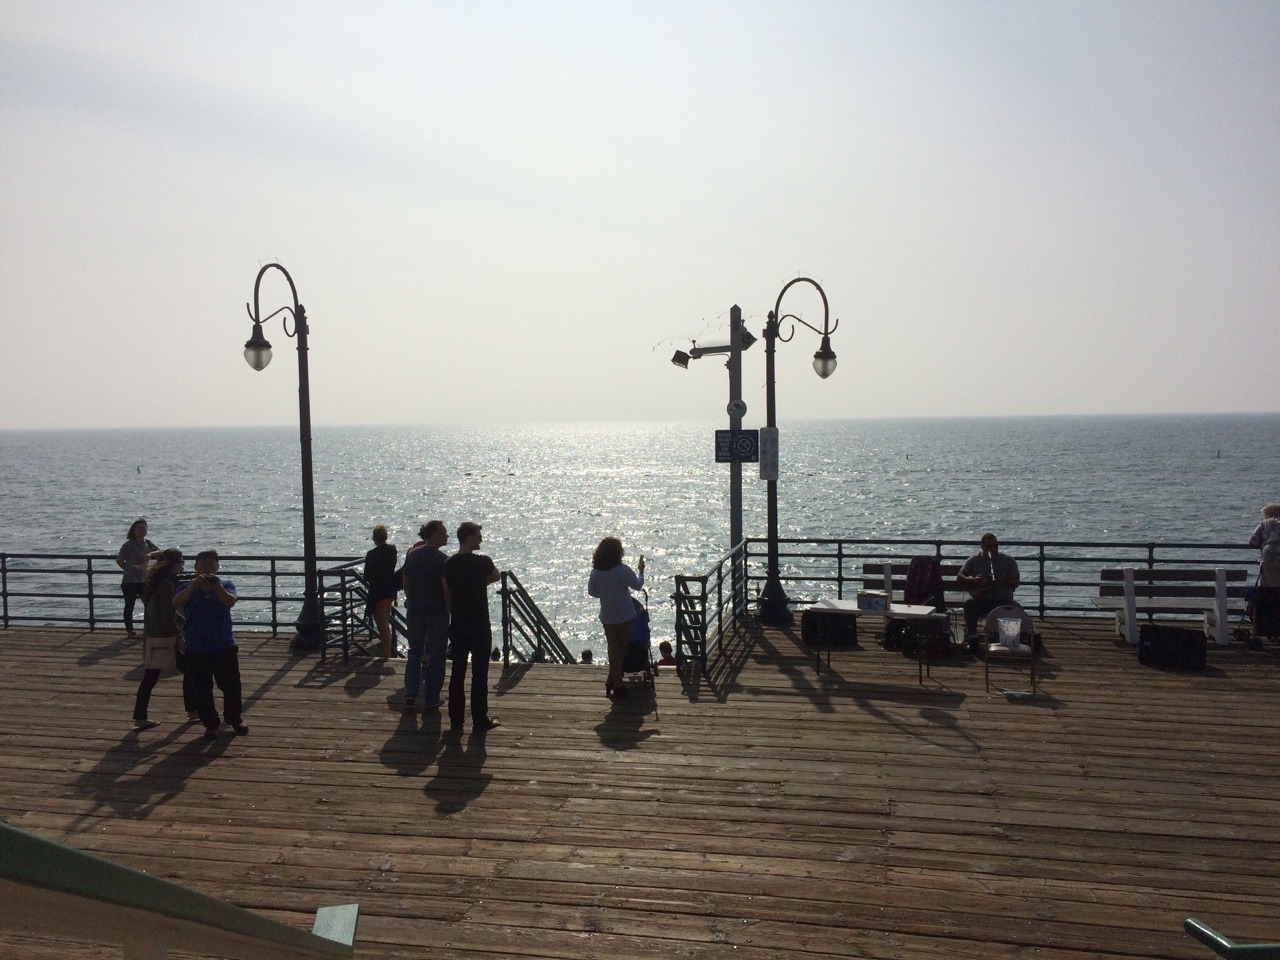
x: 84, y: 589
x: 1058, y: 577
x: 1225, y: 947
x: 56, y: 891
x: 344, y: 601
x: 710, y: 607
x: 527, y: 635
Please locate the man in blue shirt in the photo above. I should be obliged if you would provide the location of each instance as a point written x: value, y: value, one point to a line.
x: 427, y: 615
x: 206, y: 603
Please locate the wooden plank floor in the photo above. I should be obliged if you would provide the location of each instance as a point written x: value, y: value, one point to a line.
x: 762, y: 812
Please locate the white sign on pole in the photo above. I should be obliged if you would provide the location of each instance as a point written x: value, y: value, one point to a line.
x: 768, y: 453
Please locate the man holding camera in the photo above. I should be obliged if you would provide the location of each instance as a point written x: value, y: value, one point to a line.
x: 206, y: 603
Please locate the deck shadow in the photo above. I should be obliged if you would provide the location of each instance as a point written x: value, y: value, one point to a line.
x: 123, y: 782
x: 460, y: 776
x: 412, y: 747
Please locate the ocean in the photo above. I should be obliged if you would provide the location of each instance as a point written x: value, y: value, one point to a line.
x: 546, y: 493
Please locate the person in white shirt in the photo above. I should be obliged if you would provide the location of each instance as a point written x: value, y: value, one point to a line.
x: 612, y: 582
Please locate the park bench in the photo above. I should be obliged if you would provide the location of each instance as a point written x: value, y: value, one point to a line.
x: 1214, y: 594
x: 891, y: 577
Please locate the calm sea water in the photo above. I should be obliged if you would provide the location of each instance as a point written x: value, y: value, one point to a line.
x: 546, y: 493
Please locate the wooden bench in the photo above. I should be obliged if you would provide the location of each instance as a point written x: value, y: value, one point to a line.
x: 1215, y: 594
x: 891, y: 577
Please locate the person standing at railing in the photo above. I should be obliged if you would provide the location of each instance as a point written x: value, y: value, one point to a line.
x: 132, y: 559
x: 990, y: 577
x: 1266, y: 537
x: 611, y: 582
x: 160, y: 636
x: 467, y: 577
x: 212, y: 657
x: 422, y: 578
x: 380, y: 576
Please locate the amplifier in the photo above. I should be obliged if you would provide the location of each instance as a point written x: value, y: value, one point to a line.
x: 826, y: 628
x: 1166, y: 645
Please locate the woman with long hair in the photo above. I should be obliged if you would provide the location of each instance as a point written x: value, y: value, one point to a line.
x: 380, y: 575
x: 132, y: 559
x: 160, y: 633
x: 612, y: 582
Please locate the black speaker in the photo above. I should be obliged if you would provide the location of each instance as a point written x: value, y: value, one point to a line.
x: 1266, y: 612
x: 1166, y: 645
x: 823, y: 628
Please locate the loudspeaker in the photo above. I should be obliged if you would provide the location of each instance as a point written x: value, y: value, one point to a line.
x: 823, y: 628
x: 1166, y: 645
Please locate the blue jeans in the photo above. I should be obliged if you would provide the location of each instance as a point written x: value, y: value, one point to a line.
x: 429, y: 635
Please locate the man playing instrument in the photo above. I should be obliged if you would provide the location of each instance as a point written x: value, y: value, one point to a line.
x: 990, y: 577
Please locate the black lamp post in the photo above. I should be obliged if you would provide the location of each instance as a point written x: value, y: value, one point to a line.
x: 309, y: 627
x: 773, y: 604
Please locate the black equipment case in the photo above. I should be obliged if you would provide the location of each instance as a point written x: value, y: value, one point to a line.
x: 825, y: 628
x: 1166, y: 645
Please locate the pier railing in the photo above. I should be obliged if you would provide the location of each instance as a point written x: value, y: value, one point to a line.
x: 527, y: 635
x: 710, y: 607
x: 80, y: 589
x: 84, y: 590
x: 1058, y: 577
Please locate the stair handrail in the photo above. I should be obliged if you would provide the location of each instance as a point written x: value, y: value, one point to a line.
x: 1226, y: 947
x: 521, y: 613
x: 50, y: 889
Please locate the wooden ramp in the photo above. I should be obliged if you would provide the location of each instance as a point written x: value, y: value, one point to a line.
x: 764, y: 811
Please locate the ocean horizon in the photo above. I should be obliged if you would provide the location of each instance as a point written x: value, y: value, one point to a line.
x: 547, y: 492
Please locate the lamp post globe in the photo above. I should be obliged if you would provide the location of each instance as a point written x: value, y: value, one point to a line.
x: 257, y: 351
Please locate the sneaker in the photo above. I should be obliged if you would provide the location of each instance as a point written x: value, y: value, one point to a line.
x: 193, y: 716
x: 485, y: 725
x: 240, y: 729
x: 145, y: 724
x: 433, y: 706
x: 410, y: 704
x: 211, y: 733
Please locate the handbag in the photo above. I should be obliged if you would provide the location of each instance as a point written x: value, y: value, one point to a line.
x: 160, y: 653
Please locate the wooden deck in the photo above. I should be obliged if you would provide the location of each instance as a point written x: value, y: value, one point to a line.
x: 763, y: 812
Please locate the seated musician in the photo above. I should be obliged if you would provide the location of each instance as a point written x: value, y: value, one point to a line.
x: 990, y: 577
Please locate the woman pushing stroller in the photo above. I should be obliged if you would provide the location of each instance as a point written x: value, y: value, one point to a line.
x: 612, y: 582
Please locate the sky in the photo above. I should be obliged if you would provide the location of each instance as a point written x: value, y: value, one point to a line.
x: 509, y: 212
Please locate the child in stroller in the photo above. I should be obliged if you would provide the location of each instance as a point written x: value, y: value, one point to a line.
x: 638, y: 661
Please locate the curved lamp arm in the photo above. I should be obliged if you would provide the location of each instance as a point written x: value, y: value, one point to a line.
x: 824, y: 361
x: 257, y: 351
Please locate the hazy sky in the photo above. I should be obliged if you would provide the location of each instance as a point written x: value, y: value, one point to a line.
x: 501, y: 212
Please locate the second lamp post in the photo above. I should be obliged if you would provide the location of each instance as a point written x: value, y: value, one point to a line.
x: 309, y: 629
x: 773, y: 605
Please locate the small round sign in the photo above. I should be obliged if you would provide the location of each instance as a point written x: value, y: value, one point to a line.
x: 737, y: 408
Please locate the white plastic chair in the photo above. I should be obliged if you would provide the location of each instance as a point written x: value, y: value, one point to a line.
x: 994, y: 647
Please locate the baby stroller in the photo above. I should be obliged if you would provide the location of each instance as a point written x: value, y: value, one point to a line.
x: 638, y: 662
x: 1262, y: 611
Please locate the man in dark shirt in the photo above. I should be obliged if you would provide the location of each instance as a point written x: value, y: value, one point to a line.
x: 467, y: 576
x: 990, y: 577
x: 427, y: 615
